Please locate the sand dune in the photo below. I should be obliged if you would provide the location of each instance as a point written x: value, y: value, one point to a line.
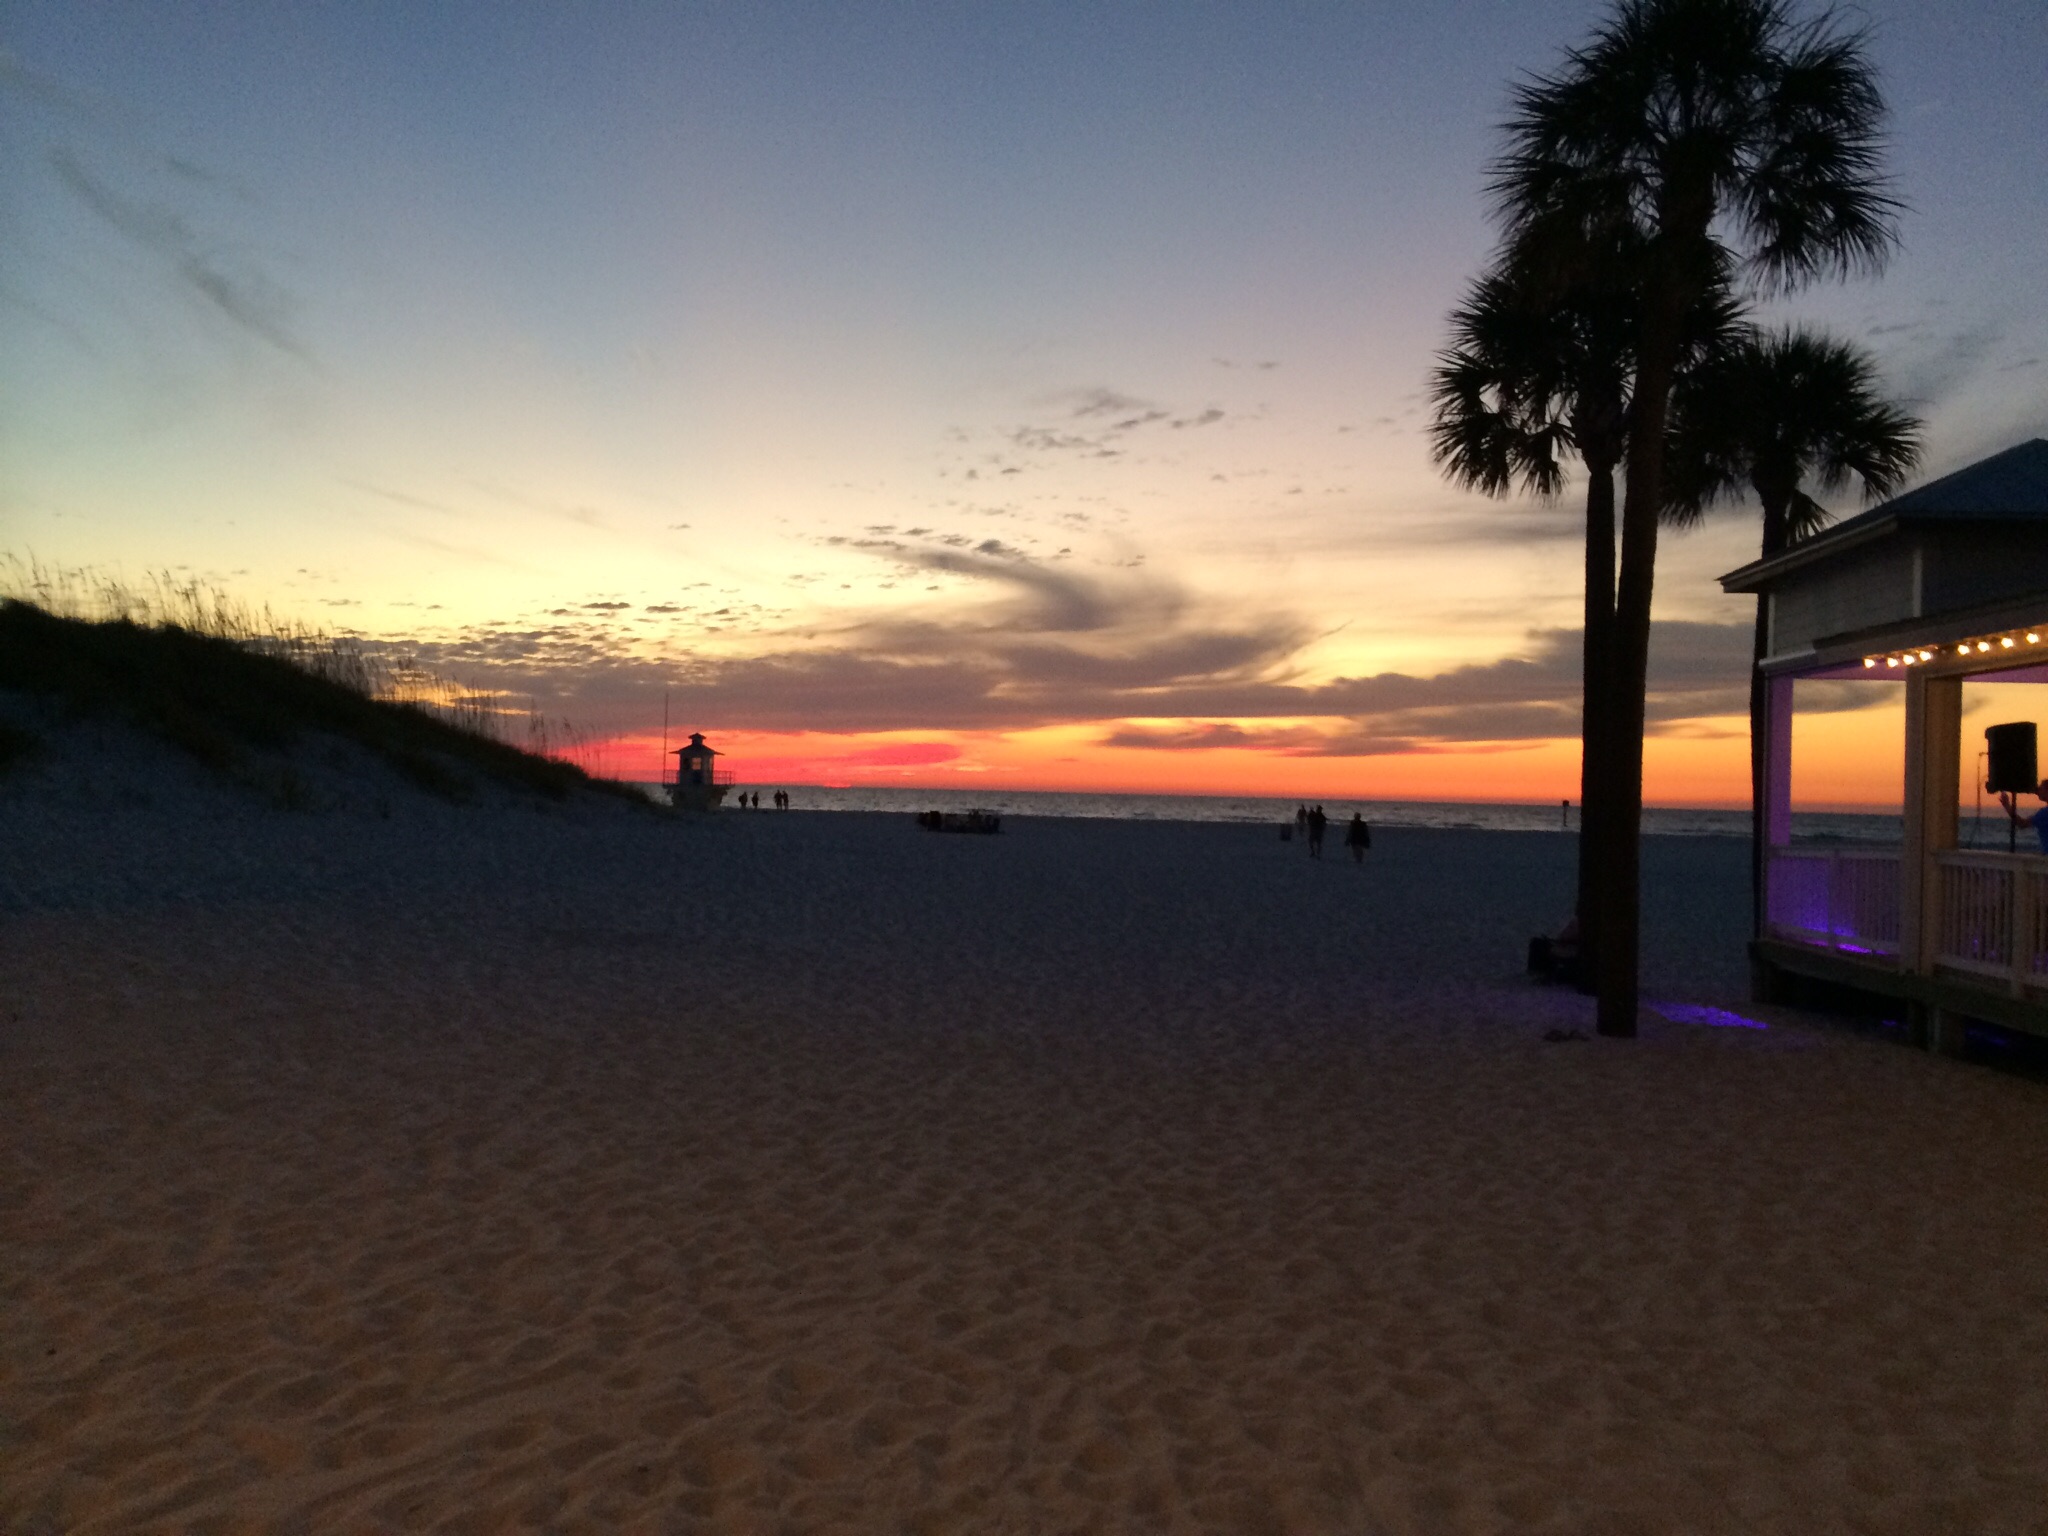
x: 489, y: 1170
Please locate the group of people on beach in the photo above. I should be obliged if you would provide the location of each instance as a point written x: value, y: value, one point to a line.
x: 1313, y: 824
x: 780, y: 800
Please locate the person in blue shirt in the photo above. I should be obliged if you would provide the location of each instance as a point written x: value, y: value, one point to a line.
x: 2038, y: 821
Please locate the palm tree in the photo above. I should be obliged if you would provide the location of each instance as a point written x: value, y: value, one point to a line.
x: 1530, y: 379
x: 1693, y: 134
x: 1781, y: 410
x: 1524, y: 385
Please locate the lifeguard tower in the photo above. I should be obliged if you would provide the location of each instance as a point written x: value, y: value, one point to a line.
x: 1944, y: 585
x: 700, y: 785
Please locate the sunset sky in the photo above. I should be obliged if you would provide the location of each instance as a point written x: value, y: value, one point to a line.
x: 1024, y: 395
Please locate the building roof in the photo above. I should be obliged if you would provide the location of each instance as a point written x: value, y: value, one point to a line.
x: 2008, y: 486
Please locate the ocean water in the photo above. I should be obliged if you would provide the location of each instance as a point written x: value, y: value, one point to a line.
x: 1807, y: 826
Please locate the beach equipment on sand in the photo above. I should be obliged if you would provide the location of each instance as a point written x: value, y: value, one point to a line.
x: 1556, y: 958
x: 960, y: 821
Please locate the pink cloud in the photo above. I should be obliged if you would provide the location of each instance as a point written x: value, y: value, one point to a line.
x: 900, y: 754
x: 757, y: 760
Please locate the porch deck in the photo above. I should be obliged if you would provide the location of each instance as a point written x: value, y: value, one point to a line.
x: 1835, y: 915
x: 1944, y: 586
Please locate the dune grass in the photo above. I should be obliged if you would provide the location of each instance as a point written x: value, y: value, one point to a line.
x: 240, y: 690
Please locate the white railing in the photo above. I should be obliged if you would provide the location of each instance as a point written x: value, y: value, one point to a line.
x: 725, y: 776
x: 1844, y: 899
x: 1994, y: 916
x: 2036, y: 930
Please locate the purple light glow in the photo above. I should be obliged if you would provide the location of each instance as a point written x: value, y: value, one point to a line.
x: 1828, y: 938
x: 1713, y: 1018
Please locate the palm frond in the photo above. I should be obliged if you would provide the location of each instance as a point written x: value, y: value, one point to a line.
x: 1778, y: 411
x: 1679, y: 112
x: 1804, y: 517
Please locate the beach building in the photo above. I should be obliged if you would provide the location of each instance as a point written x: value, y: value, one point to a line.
x: 1945, y: 585
x: 700, y: 784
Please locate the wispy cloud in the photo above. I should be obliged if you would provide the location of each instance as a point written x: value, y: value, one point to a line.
x: 463, y: 552
x: 1207, y: 735
x: 1100, y: 401
x: 1031, y: 644
x: 402, y: 498
x: 1056, y: 440
x: 1698, y: 670
x: 546, y: 506
x: 1097, y: 422
x: 230, y: 286
x: 1934, y: 366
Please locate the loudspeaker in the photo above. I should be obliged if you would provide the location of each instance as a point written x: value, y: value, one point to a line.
x: 2013, y: 767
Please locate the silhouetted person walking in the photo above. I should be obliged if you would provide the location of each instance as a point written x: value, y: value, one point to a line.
x: 1316, y: 822
x: 1358, y: 837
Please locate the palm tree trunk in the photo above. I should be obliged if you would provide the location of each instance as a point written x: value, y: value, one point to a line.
x: 1621, y: 832
x: 1597, y: 645
x: 1621, y: 783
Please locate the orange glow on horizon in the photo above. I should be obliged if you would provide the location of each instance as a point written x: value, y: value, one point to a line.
x: 1704, y: 765
x: 1855, y: 759
x: 1848, y: 754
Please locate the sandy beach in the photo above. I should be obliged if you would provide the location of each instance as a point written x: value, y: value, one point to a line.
x: 477, y: 1169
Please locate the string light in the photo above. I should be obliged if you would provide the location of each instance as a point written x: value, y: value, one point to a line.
x: 1913, y: 656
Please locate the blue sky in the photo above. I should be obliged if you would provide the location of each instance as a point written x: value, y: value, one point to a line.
x: 1079, y: 347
